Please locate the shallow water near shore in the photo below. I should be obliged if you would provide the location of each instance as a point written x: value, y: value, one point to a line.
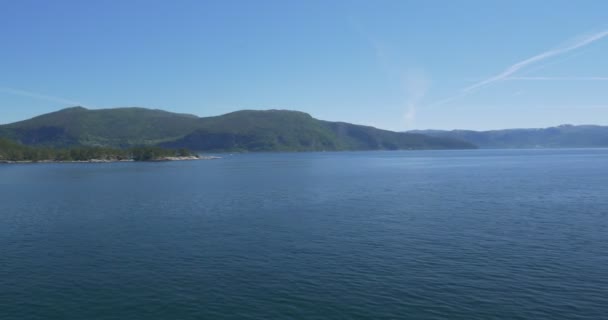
x: 476, y: 234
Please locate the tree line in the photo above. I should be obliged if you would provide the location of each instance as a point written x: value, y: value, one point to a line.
x: 12, y: 151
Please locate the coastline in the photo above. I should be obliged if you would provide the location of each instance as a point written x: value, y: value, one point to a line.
x: 163, y: 159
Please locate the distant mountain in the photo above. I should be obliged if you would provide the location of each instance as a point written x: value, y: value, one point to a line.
x: 248, y: 130
x: 564, y: 136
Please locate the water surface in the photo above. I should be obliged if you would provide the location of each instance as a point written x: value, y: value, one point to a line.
x: 478, y: 234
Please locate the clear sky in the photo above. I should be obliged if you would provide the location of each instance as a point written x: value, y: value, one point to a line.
x: 392, y: 64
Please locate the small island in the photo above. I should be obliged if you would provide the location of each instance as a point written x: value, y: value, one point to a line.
x: 13, y: 152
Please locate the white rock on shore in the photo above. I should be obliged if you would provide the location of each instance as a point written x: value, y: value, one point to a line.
x: 188, y: 158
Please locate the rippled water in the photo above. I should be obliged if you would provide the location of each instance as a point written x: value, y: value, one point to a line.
x: 480, y: 234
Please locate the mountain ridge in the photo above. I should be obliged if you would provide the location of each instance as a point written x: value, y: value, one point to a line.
x: 243, y: 130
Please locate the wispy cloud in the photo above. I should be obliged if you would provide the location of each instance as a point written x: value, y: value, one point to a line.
x: 412, y: 81
x: 40, y: 96
x: 579, y: 43
x: 417, y: 84
x: 559, y: 78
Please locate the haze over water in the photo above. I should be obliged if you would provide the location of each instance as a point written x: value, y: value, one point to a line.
x: 479, y: 234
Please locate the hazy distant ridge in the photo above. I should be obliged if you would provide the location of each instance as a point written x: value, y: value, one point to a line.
x: 564, y: 136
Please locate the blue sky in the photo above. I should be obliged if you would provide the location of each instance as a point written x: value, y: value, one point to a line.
x: 392, y: 64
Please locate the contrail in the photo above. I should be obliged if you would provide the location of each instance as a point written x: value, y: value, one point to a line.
x: 39, y: 96
x: 545, y: 55
x: 507, y: 73
x: 559, y: 78
x: 539, y: 57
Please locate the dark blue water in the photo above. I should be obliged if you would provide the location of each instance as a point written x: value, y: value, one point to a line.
x: 372, y: 235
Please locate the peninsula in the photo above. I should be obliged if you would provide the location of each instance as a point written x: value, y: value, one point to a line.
x: 12, y: 152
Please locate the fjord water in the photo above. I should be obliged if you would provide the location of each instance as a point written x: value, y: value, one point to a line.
x: 478, y: 234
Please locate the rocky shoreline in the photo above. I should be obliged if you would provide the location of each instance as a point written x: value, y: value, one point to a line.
x: 163, y: 159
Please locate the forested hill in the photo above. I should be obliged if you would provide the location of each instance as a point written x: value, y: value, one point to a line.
x: 248, y: 130
x: 564, y: 136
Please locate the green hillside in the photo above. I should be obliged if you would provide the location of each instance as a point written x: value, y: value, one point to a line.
x: 282, y: 130
x: 106, y: 127
x: 357, y: 137
x: 248, y: 130
x: 272, y: 130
